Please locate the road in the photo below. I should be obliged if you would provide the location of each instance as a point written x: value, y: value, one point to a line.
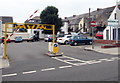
x: 28, y: 62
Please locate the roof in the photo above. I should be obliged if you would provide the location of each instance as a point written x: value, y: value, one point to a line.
x: 6, y: 19
x: 99, y: 15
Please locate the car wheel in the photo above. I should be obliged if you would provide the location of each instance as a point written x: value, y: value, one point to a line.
x: 66, y: 42
x: 33, y: 40
x: 75, y: 44
x: 90, y: 42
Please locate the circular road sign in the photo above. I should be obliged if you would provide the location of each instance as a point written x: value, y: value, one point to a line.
x: 55, y: 45
x: 93, y: 24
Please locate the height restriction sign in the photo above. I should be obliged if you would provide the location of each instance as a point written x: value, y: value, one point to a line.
x: 93, y: 24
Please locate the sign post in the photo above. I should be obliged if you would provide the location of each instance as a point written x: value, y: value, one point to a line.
x: 93, y: 24
x: 0, y: 28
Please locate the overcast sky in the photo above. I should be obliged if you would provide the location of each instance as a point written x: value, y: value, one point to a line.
x: 20, y: 10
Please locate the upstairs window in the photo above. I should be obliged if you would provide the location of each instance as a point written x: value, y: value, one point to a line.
x: 115, y: 16
x: 119, y: 7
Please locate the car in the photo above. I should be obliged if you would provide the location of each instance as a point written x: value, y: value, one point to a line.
x: 18, y: 39
x: 64, y: 40
x: 33, y: 38
x: 49, y: 38
x: 60, y: 35
x: 2, y: 40
x: 78, y: 39
x: 99, y: 35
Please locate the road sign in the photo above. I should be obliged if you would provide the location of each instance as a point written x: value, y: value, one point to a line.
x: 113, y: 23
x: 93, y: 24
x: 55, y: 48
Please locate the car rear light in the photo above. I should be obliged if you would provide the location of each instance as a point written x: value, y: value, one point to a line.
x: 60, y: 39
x: 72, y: 40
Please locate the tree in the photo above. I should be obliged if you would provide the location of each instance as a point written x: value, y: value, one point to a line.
x: 50, y: 16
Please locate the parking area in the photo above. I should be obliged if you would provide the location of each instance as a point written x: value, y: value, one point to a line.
x: 29, y: 57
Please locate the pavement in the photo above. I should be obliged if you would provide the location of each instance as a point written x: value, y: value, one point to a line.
x: 3, y: 62
x: 97, y: 47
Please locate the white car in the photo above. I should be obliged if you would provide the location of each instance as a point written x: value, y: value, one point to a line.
x: 48, y: 38
x: 64, y: 40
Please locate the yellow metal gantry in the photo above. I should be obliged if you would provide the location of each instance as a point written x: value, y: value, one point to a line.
x: 26, y: 26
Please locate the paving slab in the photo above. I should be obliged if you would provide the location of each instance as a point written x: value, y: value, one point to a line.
x: 113, y: 51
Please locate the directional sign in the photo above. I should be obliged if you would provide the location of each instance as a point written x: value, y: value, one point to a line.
x: 93, y: 24
x: 113, y: 23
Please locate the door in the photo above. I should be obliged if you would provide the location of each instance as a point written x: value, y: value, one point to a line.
x: 114, y: 34
x: 107, y: 34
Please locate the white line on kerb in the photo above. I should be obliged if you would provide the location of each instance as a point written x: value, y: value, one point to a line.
x: 14, y: 74
x: 49, y: 69
x: 65, y: 66
x: 28, y: 72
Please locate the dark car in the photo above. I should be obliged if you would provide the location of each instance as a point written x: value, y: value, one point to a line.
x: 33, y: 38
x: 78, y: 39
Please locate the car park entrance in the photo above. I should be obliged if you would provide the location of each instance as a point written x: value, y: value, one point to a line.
x: 13, y: 26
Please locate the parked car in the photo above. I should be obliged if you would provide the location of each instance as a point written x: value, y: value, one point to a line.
x: 64, y: 40
x: 33, y: 38
x: 99, y: 35
x: 49, y: 38
x: 2, y: 40
x: 60, y: 35
x: 78, y: 39
x: 18, y: 39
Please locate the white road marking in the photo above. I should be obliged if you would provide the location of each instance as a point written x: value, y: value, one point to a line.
x: 8, y: 75
x: 75, y: 59
x: 80, y: 64
x: 70, y: 60
x: 29, y: 72
x: 65, y: 66
x: 93, y: 62
x: 49, y: 69
x: 110, y: 60
x: 103, y: 59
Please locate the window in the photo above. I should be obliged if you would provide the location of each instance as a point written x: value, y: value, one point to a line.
x: 68, y: 36
x: 115, y: 16
x: 119, y: 7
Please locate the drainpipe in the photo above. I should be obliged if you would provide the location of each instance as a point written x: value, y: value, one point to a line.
x: 117, y: 20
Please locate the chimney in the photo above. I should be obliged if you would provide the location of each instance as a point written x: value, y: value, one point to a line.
x: 65, y: 17
x: 74, y: 15
x: 98, y: 9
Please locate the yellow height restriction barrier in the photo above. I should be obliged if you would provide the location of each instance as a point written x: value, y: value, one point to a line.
x: 27, y: 26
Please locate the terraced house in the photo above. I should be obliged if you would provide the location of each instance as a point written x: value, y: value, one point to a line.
x: 81, y: 23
